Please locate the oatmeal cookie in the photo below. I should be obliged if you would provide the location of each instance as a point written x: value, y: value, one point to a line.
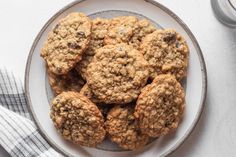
x: 122, y: 128
x: 99, y: 30
x: 104, y: 108
x: 86, y: 91
x: 144, y: 28
x: 66, y: 43
x: 121, y: 29
x: 77, y: 119
x: 166, y: 52
x: 117, y: 73
x: 160, y: 106
x: 71, y: 81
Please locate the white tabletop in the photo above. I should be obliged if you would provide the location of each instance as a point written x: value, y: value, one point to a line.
x: 215, y: 134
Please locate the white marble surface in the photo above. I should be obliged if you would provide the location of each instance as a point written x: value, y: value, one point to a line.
x: 215, y: 134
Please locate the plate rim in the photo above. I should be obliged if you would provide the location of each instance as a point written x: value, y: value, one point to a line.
x: 169, y: 12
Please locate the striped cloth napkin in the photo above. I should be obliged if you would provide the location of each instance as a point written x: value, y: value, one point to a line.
x: 18, y: 134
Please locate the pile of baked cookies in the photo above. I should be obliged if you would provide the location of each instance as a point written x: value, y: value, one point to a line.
x: 117, y: 78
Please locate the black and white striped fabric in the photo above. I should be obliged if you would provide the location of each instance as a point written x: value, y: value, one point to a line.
x: 18, y: 134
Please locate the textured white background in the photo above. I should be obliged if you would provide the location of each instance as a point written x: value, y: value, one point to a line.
x: 215, y: 134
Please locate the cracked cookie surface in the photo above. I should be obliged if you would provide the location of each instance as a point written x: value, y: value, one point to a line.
x: 166, y: 52
x: 66, y: 43
x: 77, y: 119
x: 71, y: 81
x: 160, y: 106
x: 117, y: 74
x: 123, y: 129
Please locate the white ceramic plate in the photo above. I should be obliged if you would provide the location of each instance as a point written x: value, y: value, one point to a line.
x: 39, y: 94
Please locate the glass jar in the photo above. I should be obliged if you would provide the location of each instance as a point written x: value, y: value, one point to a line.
x: 225, y: 11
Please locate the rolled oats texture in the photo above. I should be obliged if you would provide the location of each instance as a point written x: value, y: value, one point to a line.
x: 99, y: 30
x: 66, y: 43
x: 121, y: 29
x: 123, y: 129
x: 166, y: 52
x: 77, y: 119
x: 117, y: 73
x: 160, y: 106
x: 144, y: 27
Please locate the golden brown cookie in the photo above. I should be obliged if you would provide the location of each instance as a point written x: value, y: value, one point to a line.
x: 71, y: 81
x: 86, y: 91
x: 160, y: 106
x: 122, y: 128
x: 144, y: 27
x: 117, y: 74
x: 104, y: 108
x: 166, y: 52
x: 77, y: 119
x: 66, y: 43
x: 99, y: 30
x: 121, y: 29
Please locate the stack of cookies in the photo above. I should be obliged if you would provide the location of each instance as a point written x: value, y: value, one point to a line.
x: 115, y: 77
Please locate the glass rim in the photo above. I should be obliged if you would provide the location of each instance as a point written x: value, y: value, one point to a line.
x: 234, y: 7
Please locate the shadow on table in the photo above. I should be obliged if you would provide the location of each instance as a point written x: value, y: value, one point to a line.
x: 186, y: 149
